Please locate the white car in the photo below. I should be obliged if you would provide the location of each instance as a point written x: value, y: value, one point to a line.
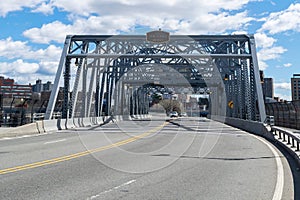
x: 173, y: 114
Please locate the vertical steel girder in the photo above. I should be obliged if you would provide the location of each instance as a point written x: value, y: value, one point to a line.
x: 55, y: 90
x: 227, y: 65
x: 66, y: 89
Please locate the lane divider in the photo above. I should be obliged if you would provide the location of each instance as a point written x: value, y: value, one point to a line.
x: 80, y: 154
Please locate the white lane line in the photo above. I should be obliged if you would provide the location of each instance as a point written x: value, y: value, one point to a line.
x: 56, y: 141
x: 280, y: 174
x: 22, y: 136
x: 110, y: 190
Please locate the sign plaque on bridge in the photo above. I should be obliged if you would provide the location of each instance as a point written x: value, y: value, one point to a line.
x: 158, y: 36
x: 230, y: 104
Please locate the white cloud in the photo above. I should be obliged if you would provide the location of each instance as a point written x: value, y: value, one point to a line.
x: 262, y: 65
x: 283, y: 90
x: 263, y: 41
x: 117, y: 16
x: 271, y: 53
x: 13, y: 49
x: 48, y: 67
x: 267, y: 50
x: 18, y: 66
x: 214, y: 24
x: 17, y: 5
x: 25, y: 72
x: 17, y: 49
x: 282, y: 21
x: 43, y: 62
x: 287, y: 65
x: 150, y: 9
x: 284, y: 86
x: 92, y: 25
x: 47, y: 9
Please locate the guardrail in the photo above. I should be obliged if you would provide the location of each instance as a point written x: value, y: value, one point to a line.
x: 289, y: 141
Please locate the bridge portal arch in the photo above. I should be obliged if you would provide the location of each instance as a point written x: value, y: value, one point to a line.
x: 98, y: 71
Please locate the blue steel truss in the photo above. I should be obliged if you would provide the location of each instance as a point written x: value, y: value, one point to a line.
x: 107, y: 72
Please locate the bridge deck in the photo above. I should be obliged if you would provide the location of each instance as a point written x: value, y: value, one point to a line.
x: 186, y: 158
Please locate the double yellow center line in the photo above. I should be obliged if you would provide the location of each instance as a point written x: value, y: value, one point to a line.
x: 80, y: 154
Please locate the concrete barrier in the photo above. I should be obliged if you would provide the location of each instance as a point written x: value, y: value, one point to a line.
x: 51, y: 125
x: 70, y: 124
x: 27, y: 129
x: 40, y: 126
x: 94, y: 121
x: 100, y: 120
x: 62, y: 124
x: 46, y: 126
x: 126, y: 117
x: 77, y: 122
x: 118, y: 118
x: 254, y: 127
x: 86, y: 121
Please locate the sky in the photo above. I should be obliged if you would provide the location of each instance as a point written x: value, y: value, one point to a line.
x: 32, y: 32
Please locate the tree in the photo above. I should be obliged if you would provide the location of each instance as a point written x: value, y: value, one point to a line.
x: 170, y: 105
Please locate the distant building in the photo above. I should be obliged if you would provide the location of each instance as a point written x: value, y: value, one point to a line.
x: 295, y: 85
x: 9, y: 89
x: 41, y: 87
x: 268, y: 88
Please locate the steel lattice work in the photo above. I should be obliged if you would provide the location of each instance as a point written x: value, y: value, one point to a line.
x: 108, y: 74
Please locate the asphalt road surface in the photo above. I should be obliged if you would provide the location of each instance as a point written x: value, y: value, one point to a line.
x: 185, y: 158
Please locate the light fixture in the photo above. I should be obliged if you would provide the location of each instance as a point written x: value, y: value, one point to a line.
x: 76, y: 62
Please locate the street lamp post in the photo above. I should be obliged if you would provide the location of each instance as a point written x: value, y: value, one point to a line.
x: 10, y: 110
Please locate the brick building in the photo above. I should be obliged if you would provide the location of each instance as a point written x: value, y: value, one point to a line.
x: 9, y: 89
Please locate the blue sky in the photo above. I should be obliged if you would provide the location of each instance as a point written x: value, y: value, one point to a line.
x: 32, y: 32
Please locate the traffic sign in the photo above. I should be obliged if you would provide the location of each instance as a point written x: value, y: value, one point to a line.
x: 230, y: 104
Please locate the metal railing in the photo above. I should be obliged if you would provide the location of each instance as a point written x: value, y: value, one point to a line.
x: 287, y: 137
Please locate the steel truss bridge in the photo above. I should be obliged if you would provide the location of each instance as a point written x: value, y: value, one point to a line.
x: 111, y: 74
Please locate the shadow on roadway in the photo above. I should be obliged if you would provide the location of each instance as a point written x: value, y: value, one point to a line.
x: 215, y: 158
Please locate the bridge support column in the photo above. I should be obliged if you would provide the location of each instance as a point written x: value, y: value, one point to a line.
x: 66, y: 89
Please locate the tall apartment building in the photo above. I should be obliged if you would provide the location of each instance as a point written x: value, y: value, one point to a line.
x: 268, y: 88
x: 295, y: 85
x: 41, y: 87
x: 9, y: 89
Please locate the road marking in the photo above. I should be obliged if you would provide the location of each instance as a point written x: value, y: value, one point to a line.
x: 280, y: 174
x: 110, y: 190
x: 80, y: 154
x: 56, y: 141
x: 22, y: 136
